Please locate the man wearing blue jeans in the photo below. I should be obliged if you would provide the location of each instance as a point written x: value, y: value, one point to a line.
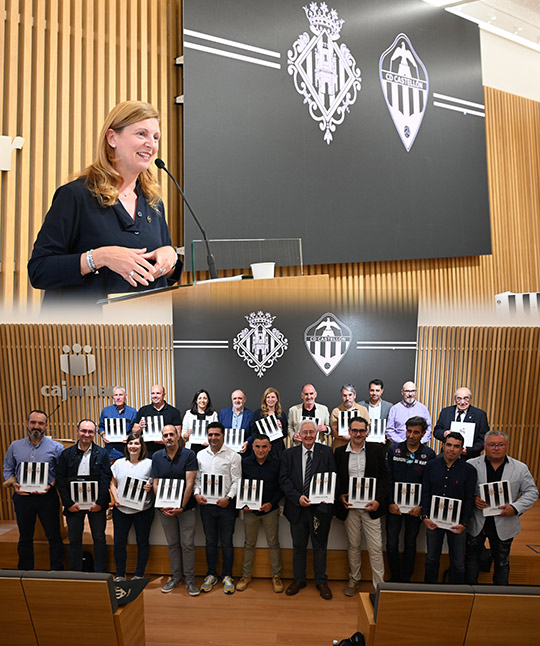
x: 449, y: 477
x: 85, y: 460
x: 218, y: 517
x: 406, y: 462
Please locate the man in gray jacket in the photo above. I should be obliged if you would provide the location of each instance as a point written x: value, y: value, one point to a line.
x: 500, y: 529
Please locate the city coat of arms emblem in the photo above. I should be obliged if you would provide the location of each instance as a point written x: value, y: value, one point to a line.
x: 260, y: 345
x: 405, y: 85
x: 324, y: 73
x: 327, y: 341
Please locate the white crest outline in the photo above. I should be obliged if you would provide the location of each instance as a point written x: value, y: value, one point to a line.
x: 319, y: 345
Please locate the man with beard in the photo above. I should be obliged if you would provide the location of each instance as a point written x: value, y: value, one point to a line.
x: 349, y: 403
x: 178, y: 523
x: 402, y: 411
x: 45, y: 505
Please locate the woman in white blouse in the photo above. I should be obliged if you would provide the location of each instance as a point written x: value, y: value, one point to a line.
x: 134, y: 465
x: 201, y: 409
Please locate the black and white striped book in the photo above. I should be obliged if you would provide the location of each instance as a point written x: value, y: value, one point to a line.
x: 322, y: 488
x: 154, y: 427
x: 200, y: 433
x: 170, y: 493
x: 496, y: 494
x: 362, y: 491
x: 131, y: 493
x: 344, y: 419
x: 445, y: 512
x: 249, y: 494
x: 407, y: 495
x: 115, y: 429
x: 234, y: 438
x: 269, y: 426
x: 212, y: 487
x: 33, y: 476
x: 84, y: 493
x: 377, y: 431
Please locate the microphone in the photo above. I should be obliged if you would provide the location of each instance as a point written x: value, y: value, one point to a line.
x: 210, y: 260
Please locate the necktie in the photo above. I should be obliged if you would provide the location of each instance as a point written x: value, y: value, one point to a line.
x: 307, y: 475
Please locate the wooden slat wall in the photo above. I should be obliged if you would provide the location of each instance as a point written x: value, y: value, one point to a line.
x: 501, y: 365
x: 66, y: 64
x: 134, y: 356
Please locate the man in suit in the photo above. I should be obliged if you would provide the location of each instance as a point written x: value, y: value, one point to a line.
x: 496, y: 466
x: 362, y: 459
x: 378, y: 408
x: 298, y: 465
x: 463, y: 412
x: 308, y: 408
x: 237, y: 416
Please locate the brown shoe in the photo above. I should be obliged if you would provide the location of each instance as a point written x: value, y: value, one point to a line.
x: 324, y: 590
x: 351, y: 588
x: 277, y: 584
x: 295, y: 587
x: 243, y: 583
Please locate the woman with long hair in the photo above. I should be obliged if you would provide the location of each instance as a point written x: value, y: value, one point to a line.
x: 271, y: 405
x: 135, y: 464
x: 202, y: 410
x: 106, y: 232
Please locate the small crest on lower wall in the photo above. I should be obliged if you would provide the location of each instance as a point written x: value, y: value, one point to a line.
x: 260, y: 345
x: 327, y: 341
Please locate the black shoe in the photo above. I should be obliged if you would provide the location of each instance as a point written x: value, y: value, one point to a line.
x: 295, y: 587
x: 324, y: 590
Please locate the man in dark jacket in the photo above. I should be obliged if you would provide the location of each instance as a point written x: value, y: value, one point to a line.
x: 361, y: 459
x: 298, y: 465
x: 85, y: 462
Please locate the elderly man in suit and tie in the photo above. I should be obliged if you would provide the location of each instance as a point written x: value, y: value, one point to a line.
x: 298, y: 465
x: 463, y: 412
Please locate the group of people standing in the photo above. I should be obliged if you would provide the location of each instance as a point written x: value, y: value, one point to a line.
x: 454, y: 479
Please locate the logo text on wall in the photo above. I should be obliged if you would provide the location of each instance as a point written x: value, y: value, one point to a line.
x: 405, y: 85
x: 327, y: 341
x: 324, y: 73
x: 7, y: 146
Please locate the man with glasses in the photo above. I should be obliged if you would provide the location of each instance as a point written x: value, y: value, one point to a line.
x: 362, y: 459
x: 496, y: 466
x: 406, y: 462
x: 463, y: 412
x: 402, y: 411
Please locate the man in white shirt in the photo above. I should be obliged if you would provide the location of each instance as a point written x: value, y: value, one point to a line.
x: 218, y: 517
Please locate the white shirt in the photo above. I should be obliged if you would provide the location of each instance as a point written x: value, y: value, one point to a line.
x: 225, y: 462
x: 123, y: 468
x: 84, y: 466
x: 357, y: 461
x: 374, y: 411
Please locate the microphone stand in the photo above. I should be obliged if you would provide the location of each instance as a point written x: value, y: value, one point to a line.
x: 210, y: 260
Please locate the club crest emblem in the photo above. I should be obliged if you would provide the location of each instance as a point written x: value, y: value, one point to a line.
x: 324, y: 73
x: 327, y: 341
x: 260, y: 345
x: 405, y: 85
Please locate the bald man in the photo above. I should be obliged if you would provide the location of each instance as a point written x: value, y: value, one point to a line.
x: 408, y: 407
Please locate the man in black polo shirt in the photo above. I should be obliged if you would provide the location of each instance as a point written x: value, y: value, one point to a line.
x: 178, y: 523
x: 158, y: 408
x: 448, y: 476
x: 265, y: 467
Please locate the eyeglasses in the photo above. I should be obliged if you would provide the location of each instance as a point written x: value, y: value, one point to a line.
x: 496, y: 445
x: 463, y: 399
x: 358, y: 431
x: 409, y: 392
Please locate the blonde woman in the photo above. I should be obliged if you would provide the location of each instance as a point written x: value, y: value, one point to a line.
x: 106, y: 231
x: 271, y: 405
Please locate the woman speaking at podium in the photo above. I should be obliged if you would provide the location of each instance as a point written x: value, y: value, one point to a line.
x: 105, y: 232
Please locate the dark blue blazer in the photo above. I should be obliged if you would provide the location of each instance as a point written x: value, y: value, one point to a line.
x: 225, y: 417
x: 290, y: 476
x: 475, y: 415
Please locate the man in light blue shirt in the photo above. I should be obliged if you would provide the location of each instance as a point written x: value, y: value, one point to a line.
x: 396, y: 430
x: 45, y: 505
x: 118, y: 410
